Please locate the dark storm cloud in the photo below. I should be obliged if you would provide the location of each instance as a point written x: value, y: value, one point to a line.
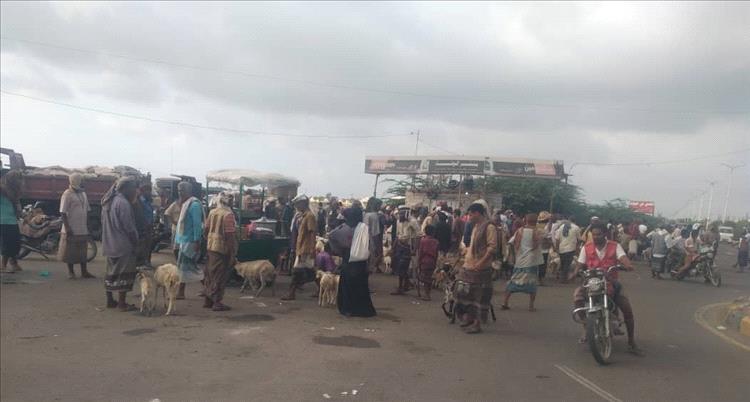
x: 679, y: 66
x: 574, y: 81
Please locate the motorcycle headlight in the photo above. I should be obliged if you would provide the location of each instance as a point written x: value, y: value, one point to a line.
x: 594, y: 285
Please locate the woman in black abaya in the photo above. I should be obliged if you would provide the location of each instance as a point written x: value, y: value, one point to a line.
x: 354, y: 290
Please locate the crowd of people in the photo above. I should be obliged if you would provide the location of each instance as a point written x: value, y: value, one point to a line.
x: 412, y: 243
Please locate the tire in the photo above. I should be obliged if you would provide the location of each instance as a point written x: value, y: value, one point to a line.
x: 714, y: 277
x: 91, y: 250
x: 599, y: 341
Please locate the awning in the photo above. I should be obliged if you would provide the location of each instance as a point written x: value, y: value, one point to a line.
x: 250, y: 178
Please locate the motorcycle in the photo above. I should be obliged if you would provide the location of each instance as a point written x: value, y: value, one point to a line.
x: 703, y: 266
x: 40, y: 234
x: 161, y: 237
x: 601, y: 318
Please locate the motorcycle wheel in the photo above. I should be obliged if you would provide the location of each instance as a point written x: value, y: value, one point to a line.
x: 714, y: 277
x: 600, y: 342
x: 91, y: 250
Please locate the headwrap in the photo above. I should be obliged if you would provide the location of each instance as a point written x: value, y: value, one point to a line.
x: 75, y: 180
x: 10, y: 185
x: 116, y: 188
x: 221, y: 200
x: 185, y: 187
x: 484, y: 204
x: 300, y: 198
x: 352, y: 216
x: 544, y: 216
x: 374, y: 204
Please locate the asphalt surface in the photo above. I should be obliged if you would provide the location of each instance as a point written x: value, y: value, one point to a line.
x: 58, y: 342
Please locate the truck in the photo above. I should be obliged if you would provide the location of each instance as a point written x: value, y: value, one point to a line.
x: 726, y: 233
x: 43, y: 187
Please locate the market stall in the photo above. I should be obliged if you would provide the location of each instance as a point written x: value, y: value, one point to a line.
x: 259, y: 237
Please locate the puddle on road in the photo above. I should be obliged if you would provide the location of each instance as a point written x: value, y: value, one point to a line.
x: 139, y: 331
x: 251, y: 317
x: 288, y: 310
x: 348, y: 341
x: 388, y: 316
x: 413, y: 348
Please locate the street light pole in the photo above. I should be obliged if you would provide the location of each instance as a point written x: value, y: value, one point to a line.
x: 729, y: 188
x: 710, y: 201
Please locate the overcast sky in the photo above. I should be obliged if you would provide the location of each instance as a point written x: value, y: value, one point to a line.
x: 579, y: 82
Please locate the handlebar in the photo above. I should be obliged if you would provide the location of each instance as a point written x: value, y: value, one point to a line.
x: 617, y: 267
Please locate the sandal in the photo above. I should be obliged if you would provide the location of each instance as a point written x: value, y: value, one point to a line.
x: 504, y: 307
x: 633, y: 349
x: 473, y: 330
x: 126, y: 308
x: 220, y: 307
x: 582, y: 340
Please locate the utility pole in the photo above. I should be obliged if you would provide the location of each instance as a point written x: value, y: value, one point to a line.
x: 729, y: 188
x: 710, y: 201
x: 700, y: 207
x: 416, y: 147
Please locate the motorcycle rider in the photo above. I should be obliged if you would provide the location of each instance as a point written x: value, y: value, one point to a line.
x: 692, y: 246
x: 601, y: 254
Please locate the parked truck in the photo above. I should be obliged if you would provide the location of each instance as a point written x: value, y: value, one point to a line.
x: 43, y: 187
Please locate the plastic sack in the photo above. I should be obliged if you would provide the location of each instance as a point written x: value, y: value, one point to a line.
x: 360, y: 250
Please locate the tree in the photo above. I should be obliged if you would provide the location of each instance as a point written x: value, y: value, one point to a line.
x: 525, y: 195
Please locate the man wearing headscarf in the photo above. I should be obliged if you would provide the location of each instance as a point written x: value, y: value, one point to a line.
x: 333, y: 220
x: 10, y: 236
x: 373, y: 221
x: 566, y: 244
x: 306, y: 228
x: 474, y: 295
x: 74, y: 237
x: 188, y: 237
x: 119, y: 239
x: 220, y: 232
x: 545, y: 222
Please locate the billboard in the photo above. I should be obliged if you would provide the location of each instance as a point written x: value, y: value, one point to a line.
x: 476, y: 166
x: 456, y: 166
x: 523, y: 169
x: 393, y: 165
x: 644, y: 207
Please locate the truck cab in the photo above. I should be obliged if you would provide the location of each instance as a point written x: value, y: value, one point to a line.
x: 726, y: 233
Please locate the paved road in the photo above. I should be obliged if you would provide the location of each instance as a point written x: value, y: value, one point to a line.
x: 58, y: 343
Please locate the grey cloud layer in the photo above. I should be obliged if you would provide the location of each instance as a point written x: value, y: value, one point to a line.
x: 548, y: 75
